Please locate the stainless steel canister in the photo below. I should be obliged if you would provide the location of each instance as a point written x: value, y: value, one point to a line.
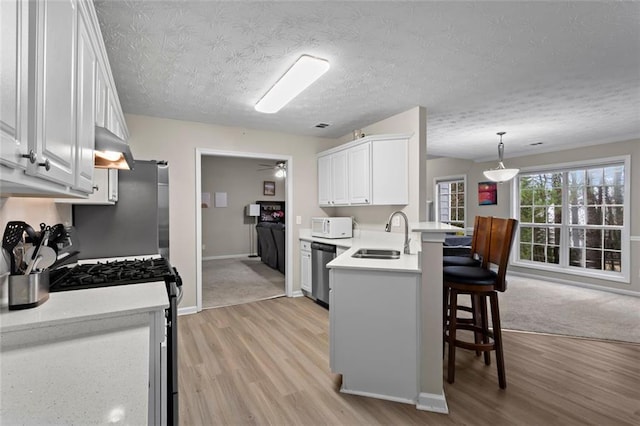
x: 28, y: 291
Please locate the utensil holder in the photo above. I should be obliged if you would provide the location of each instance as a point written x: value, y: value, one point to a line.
x: 28, y: 291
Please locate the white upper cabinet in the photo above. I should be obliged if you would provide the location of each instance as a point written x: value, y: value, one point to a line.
x: 85, y: 118
x: 56, y: 86
x: 324, y: 180
x: 333, y: 187
x: 360, y: 174
x: 368, y: 171
x: 390, y: 179
x: 55, y: 101
x: 14, y: 27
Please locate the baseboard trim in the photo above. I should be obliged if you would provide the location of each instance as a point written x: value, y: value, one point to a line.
x: 227, y: 256
x: 436, y: 403
x: 378, y: 396
x: 575, y: 283
x: 188, y: 310
x: 297, y: 293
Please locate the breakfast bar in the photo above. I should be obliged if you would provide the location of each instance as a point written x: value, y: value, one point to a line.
x: 386, y: 321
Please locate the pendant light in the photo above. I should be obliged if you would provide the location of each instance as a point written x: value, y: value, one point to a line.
x: 500, y: 173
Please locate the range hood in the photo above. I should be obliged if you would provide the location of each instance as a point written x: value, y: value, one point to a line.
x: 111, y: 152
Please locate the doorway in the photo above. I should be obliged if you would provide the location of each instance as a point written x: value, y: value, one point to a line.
x: 288, y: 189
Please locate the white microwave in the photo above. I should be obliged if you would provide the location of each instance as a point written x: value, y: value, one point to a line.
x: 331, y: 227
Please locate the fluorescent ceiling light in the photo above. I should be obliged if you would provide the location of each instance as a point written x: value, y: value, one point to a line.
x: 305, y: 71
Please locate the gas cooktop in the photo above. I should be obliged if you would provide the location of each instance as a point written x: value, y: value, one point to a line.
x: 103, y: 274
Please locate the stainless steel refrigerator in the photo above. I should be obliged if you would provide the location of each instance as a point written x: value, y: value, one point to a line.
x: 137, y: 225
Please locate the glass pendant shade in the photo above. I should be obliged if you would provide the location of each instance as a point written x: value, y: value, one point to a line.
x: 500, y: 173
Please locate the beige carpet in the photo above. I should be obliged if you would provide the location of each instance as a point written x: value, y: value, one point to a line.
x: 547, y: 307
x: 235, y: 281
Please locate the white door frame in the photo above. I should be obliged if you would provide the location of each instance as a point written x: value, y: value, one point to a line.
x: 200, y: 152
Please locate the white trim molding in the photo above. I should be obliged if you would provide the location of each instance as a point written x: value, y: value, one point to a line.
x: 188, y: 310
x: 432, y: 402
x: 575, y: 283
x: 228, y: 256
x: 199, y: 153
x: 634, y: 238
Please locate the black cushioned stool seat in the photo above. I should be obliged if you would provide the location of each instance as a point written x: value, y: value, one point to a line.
x: 474, y: 275
x: 460, y: 261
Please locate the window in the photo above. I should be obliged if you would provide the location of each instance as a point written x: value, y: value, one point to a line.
x: 574, y: 219
x: 450, y: 196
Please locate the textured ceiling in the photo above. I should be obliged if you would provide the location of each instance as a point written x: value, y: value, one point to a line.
x: 563, y: 73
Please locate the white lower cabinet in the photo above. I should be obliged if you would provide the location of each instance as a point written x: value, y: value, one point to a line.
x: 305, y: 266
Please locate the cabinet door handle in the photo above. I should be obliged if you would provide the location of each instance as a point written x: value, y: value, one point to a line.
x: 46, y: 164
x: 366, y: 201
x: 96, y: 188
x: 31, y: 156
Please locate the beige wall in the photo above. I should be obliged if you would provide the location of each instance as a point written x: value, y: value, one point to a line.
x: 226, y: 230
x: 411, y: 122
x: 473, y: 171
x: 176, y: 141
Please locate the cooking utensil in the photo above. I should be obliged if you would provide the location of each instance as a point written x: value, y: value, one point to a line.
x: 57, y: 234
x: 43, y: 242
x: 13, y: 233
x: 46, y: 254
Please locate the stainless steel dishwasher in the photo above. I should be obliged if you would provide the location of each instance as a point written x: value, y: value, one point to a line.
x: 321, y: 254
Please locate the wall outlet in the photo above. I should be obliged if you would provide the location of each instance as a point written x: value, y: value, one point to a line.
x: 298, y: 220
x: 204, y: 247
x: 396, y: 221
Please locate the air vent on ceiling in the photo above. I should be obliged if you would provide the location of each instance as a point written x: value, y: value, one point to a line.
x: 322, y: 125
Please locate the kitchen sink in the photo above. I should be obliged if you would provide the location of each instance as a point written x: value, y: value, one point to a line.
x: 367, y: 253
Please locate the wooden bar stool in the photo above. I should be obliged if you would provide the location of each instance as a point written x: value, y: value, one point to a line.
x: 477, y: 257
x: 481, y: 228
x: 480, y: 282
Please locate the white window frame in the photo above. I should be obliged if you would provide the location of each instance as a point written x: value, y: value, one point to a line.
x: 436, y: 196
x: 624, y: 276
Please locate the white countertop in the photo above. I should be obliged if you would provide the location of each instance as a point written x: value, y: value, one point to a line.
x: 94, y: 303
x: 434, y: 227
x: 82, y: 357
x: 372, y: 239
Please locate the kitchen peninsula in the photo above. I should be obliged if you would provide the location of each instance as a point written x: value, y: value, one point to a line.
x: 386, y: 320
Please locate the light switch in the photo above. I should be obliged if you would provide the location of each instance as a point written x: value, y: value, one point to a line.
x: 396, y: 221
x: 298, y: 220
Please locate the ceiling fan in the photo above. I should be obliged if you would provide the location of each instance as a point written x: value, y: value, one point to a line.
x: 280, y: 168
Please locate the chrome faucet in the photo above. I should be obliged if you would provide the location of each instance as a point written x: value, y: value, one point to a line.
x: 387, y: 228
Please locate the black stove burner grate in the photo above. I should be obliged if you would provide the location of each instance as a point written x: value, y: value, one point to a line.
x: 120, y: 272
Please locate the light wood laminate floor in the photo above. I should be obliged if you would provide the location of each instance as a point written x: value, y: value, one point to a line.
x: 268, y: 363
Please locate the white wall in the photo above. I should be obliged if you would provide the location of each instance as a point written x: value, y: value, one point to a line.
x: 176, y: 141
x: 34, y: 211
x: 226, y: 230
x: 473, y: 171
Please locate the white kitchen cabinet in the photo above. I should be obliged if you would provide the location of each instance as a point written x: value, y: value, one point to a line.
x: 14, y: 67
x: 85, y: 117
x: 305, y: 266
x: 55, y: 101
x: 368, y: 171
x: 360, y: 174
x: 105, y: 189
x: 390, y: 176
x: 333, y: 187
x: 101, y: 96
x: 56, y: 84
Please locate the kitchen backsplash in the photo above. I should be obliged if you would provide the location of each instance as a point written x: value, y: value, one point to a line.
x: 33, y: 211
